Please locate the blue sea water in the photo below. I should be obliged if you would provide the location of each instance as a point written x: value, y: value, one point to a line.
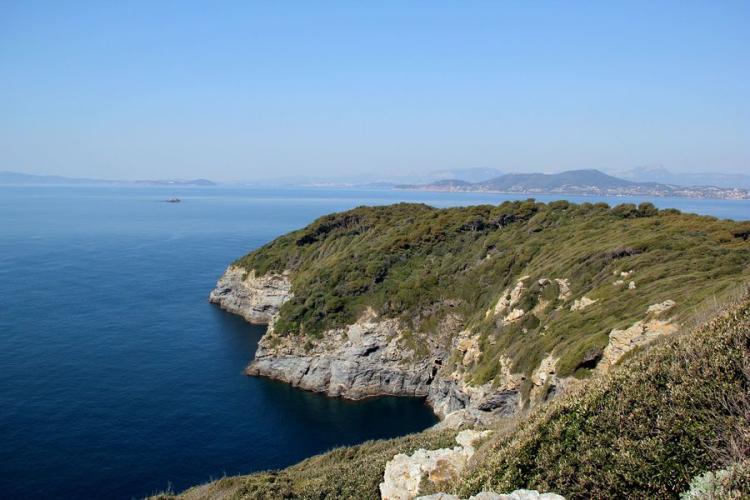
x: 118, y: 379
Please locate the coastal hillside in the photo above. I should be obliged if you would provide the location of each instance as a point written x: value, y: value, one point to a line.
x: 672, y: 419
x: 485, y: 310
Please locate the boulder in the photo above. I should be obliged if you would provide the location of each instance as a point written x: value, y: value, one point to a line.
x: 405, y: 475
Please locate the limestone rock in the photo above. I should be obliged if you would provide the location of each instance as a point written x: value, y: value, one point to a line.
x: 468, y: 343
x: 373, y: 356
x: 405, y: 474
x: 661, y: 307
x: 465, y: 418
x: 564, y: 285
x: 255, y: 298
x: 509, y: 298
x: 514, y: 315
x: 367, y: 358
x: 582, y: 303
x: 640, y: 333
x: 544, y: 371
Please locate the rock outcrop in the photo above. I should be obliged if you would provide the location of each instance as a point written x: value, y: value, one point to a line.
x: 407, y: 475
x: 372, y: 357
x: 640, y: 333
x: 377, y: 356
x: 368, y: 358
x: 582, y: 303
x: 255, y: 298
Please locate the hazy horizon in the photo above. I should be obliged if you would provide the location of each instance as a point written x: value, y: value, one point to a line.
x: 258, y: 91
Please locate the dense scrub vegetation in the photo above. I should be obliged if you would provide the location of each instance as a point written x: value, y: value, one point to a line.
x: 661, y: 418
x: 420, y: 263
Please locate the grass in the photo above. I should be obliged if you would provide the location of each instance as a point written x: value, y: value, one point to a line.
x: 353, y: 472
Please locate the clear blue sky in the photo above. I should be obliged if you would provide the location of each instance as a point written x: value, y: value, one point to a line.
x: 244, y: 90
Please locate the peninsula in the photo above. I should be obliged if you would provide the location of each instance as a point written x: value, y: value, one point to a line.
x: 607, y: 340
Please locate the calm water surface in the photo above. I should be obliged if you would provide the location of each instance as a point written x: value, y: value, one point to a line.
x: 118, y: 379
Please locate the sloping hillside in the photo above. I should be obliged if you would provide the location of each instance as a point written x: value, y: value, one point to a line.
x: 490, y: 308
x: 669, y: 413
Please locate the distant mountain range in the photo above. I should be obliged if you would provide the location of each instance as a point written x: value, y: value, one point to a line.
x: 21, y: 178
x: 579, y: 182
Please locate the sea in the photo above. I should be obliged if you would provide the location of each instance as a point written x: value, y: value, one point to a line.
x: 119, y: 380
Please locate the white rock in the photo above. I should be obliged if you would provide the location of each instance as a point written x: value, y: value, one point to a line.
x: 661, y: 307
x: 640, y: 333
x: 631, y: 285
x: 510, y: 298
x: 255, y: 298
x: 582, y: 303
x: 545, y: 370
x: 404, y: 474
x: 467, y: 438
x: 514, y: 315
x: 564, y: 285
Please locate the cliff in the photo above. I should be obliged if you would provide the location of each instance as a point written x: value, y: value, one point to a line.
x: 485, y: 311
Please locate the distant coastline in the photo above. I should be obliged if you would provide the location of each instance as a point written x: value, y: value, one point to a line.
x: 18, y: 178
x: 581, y: 183
x: 588, y: 182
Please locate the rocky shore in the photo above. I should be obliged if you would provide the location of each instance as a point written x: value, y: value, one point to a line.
x: 372, y: 357
x: 377, y: 356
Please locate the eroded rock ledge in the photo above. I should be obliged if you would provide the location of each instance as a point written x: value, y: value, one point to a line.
x: 371, y: 357
x: 255, y: 298
x: 377, y: 356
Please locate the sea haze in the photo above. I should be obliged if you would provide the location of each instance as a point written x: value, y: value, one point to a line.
x: 119, y: 379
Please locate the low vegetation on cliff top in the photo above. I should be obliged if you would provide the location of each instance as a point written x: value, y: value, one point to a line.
x: 671, y: 418
x: 422, y: 264
x: 661, y: 418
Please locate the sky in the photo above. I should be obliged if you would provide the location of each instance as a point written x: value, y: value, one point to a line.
x: 241, y: 91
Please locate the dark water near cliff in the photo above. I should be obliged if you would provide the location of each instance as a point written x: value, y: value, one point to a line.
x: 118, y: 379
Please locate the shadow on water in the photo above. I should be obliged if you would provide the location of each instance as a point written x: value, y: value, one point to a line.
x: 313, y: 422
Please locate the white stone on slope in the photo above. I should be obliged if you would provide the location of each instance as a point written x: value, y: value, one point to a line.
x: 404, y: 474
x: 582, y: 303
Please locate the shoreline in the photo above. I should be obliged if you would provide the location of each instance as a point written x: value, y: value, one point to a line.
x: 362, y: 361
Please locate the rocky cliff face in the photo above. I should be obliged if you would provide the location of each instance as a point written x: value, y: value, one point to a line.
x: 372, y: 357
x: 255, y: 298
x: 378, y: 356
